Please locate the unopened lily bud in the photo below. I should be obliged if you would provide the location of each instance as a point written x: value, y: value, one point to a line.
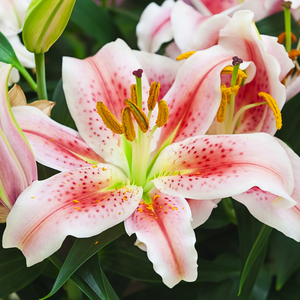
x: 45, y: 21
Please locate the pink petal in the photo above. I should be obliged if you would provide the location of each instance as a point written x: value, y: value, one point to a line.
x: 105, y: 77
x: 54, y: 145
x: 260, y: 205
x: 211, y: 167
x: 185, y: 21
x: 16, y: 145
x: 81, y: 203
x: 278, y: 51
x: 158, y: 68
x: 201, y: 210
x: 292, y: 86
x: 154, y: 27
x: 295, y: 161
x: 172, y: 51
x: 195, y: 96
x: 166, y: 232
x: 213, y: 7
x: 241, y: 33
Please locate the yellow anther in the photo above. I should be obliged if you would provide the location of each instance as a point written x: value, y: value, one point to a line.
x: 156, y: 196
x: 153, y: 95
x: 150, y: 206
x: 129, y: 131
x: 226, y: 92
x: 293, y: 54
x: 108, y: 118
x: 138, y: 114
x: 273, y: 105
x: 163, y: 113
x: 223, y: 105
x: 133, y: 93
x: 185, y: 55
x: 241, y: 74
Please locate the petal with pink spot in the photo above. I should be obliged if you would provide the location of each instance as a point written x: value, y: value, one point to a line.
x: 211, y: 167
x: 105, y: 77
x: 195, y: 96
x: 82, y: 203
x: 53, y: 144
x: 241, y: 32
x: 165, y: 230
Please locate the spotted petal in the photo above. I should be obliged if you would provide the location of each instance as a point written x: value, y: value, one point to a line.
x: 241, y: 32
x: 211, y: 167
x: 195, y: 96
x: 166, y: 232
x: 105, y: 77
x: 81, y: 203
x: 53, y: 144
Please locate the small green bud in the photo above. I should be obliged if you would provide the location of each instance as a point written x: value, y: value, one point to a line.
x: 45, y: 21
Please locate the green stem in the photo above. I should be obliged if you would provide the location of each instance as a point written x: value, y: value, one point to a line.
x: 27, y: 76
x: 232, y: 96
x: 288, y: 31
x: 41, y: 76
x: 139, y: 101
x: 104, y: 3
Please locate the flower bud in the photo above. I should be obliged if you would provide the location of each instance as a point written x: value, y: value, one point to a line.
x: 44, y: 23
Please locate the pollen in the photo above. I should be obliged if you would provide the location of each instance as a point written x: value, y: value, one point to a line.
x: 76, y: 201
x: 94, y: 166
x: 133, y: 93
x: 32, y: 197
x: 150, y: 206
x: 139, y: 115
x: 163, y: 113
x: 96, y: 242
x: 293, y: 54
x: 240, y: 76
x: 140, y: 210
x: 156, y: 196
x: 273, y: 105
x: 153, y: 95
x: 108, y: 118
x: 103, y: 169
x: 185, y: 55
x: 129, y: 131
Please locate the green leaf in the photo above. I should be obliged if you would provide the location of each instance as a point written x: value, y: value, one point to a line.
x: 60, y: 112
x: 58, y: 262
x: 262, y: 285
x: 274, y: 25
x: 93, y: 275
x: 7, y: 53
x: 129, y: 261
x: 289, y: 132
x: 14, y: 273
x: 258, y: 247
x: 81, y: 251
x: 285, y: 254
x: 252, y: 249
x: 95, y: 21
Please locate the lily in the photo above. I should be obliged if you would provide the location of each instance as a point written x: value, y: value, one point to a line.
x: 18, y: 168
x: 192, y: 27
x: 143, y: 161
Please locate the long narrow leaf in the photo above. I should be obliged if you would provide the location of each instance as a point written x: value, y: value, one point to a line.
x: 81, y: 251
x: 255, y: 251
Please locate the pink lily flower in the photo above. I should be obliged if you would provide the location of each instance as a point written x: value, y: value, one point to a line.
x: 18, y: 167
x: 192, y: 28
x: 164, y: 182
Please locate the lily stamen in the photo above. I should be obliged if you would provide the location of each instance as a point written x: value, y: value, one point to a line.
x: 128, y: 126
x: 133, y: 93
x: 109, y: 119
x: 139, y: 115
x: 185, y: 55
